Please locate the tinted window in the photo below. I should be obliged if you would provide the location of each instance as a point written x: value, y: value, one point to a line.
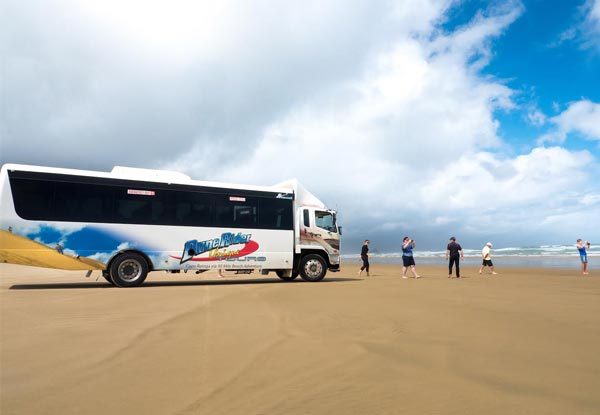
x: 237, y: 212
x: 135, y: 205
x: 192, y: 209
x: 33, y: 198
x: 275, y: 214
x: 82, y: 202
x: 91, y: 199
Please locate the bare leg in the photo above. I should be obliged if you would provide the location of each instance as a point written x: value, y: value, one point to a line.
x: 404, y: 272
x: 414, y: 271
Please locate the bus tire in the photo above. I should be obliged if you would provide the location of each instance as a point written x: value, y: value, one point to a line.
x: 281, y: 275
x: 313, y: 268
x: 128, y: 270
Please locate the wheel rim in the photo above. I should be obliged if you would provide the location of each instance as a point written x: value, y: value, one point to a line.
x: 313, y: 268
x: 130, y: 270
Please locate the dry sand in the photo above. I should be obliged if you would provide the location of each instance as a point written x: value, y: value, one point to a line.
x: 526, y: 341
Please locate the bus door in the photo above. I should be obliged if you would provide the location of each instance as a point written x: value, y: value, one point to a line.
x: 318, y: 228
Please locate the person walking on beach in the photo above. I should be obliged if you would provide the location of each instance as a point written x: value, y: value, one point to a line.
x: 407, y: 257
x: 364, y: 255
x: 455, y: 253
x: 487, y: 258
x: 581, y: 246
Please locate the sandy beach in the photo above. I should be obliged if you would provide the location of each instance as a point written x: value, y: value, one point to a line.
x: 525, y: 341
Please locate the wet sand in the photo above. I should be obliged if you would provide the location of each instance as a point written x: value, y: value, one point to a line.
x: 526, y: 341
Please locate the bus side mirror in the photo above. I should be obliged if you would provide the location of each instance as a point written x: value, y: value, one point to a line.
x: 340, y: 230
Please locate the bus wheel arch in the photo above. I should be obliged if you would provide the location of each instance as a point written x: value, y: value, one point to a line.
x: 287, y: 276
x: 129, y: 269
x: 106, y: 276
x: 313, y: 267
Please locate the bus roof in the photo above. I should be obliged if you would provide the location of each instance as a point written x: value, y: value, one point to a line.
x: 150, y: 175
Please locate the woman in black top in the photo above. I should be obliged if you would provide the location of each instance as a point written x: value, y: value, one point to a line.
x: 364, y: 255
x: 454, y: 251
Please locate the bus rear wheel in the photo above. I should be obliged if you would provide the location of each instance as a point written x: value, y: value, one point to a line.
x: 129, y: 270
x: 313, y: 268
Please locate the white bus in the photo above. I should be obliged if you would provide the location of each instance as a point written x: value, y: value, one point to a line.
x: 131, y: 221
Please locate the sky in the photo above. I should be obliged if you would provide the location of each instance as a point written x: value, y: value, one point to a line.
x: 426, y: 118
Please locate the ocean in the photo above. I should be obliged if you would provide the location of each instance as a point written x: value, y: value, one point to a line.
x: 546, y: 256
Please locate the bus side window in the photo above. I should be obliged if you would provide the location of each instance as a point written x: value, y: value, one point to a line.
x: 82, y: 202
x: 234, y: 213
x: 182, y: 212
x: 33, y: 199
x: 133, y: 210
x: 244, y: 215
x: 201, y: 214
x: 92, y: 208
x: 325, y: 220
x: 275, y: 214
x: 158, y: 212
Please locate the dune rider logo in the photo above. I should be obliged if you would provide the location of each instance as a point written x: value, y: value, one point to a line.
x: 218, y: 249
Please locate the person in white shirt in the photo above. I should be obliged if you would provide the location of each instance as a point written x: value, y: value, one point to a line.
x: 487, y: 258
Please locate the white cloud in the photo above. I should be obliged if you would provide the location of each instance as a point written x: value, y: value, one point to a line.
x: 410, y: 140
x: 536, y: 117
x: 591, y: 26
x: 417, y: 103
x: 590, y: 199
x: 143, y: 82
x: 484, y: 179
x: 595, y: 12
x: 582, y: 117
x: 123, y: 245
x: 586, y: 31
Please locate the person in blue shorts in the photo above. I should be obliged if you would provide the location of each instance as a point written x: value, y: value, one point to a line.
x: 581, y: 246
x: 408, y: 259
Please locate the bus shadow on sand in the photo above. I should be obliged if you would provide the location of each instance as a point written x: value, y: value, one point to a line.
x: 151, y: 284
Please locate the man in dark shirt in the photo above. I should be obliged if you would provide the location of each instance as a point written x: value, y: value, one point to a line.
x: 455, y: 252
x: 364, y: 255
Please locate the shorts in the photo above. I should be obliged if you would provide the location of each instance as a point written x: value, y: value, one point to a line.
x: 583, y: 259
x: 408, y: 261
x: 487, y: 263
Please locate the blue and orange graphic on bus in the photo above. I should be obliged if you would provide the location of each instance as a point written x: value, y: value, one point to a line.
x: 217, y: 249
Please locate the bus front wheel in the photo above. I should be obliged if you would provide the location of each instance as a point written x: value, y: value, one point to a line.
x: 129, y: 270
x: 313, y: 268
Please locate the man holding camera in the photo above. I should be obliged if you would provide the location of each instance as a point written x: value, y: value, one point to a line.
x: 581, y: 246
x: 407, y: 257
